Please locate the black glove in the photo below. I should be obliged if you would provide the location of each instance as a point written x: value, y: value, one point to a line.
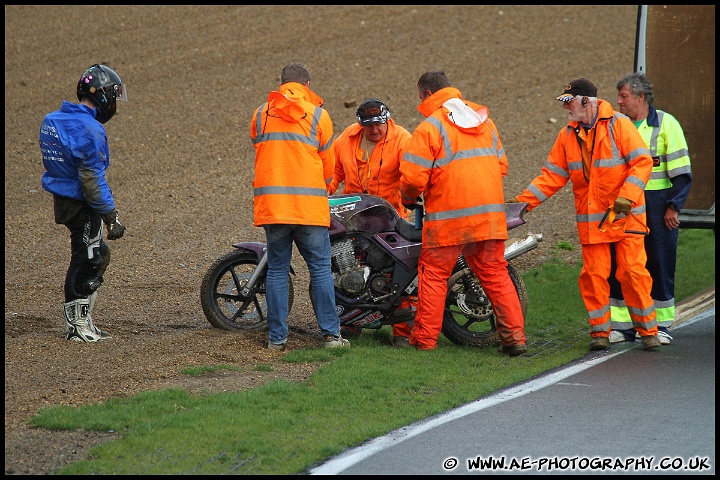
x: 115, y: 228
x: 414, y: 205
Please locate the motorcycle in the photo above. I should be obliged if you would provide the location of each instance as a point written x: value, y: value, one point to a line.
x: 374, y: 265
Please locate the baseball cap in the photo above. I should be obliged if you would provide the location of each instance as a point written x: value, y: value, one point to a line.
x: 371, y: 112
x: 581, y: 86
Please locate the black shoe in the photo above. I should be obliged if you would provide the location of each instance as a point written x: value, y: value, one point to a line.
x: 513, y: 350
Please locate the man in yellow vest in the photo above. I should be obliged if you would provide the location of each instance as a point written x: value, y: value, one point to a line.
x: 665, y: 194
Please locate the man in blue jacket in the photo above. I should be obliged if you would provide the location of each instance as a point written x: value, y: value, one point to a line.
x: 75, y: 154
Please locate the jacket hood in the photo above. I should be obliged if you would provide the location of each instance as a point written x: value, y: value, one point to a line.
x: 287, y: 103
x: 463, y: 114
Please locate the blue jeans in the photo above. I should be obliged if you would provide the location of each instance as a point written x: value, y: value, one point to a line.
x: 314, y: 244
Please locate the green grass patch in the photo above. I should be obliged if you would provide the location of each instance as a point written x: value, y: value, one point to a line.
x: 357, y: 394
x: 197, y: 371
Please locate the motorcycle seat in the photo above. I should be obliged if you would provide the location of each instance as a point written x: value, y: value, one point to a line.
x: 408, y: 231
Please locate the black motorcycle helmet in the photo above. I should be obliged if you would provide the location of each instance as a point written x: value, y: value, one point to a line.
x: 103, y: 86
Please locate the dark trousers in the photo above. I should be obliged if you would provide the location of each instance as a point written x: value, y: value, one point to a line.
x: 90, y: 254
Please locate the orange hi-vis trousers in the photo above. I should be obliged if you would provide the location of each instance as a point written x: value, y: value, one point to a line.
x: 487, y: 260
x: 403, y: 329
x: 635, y: 282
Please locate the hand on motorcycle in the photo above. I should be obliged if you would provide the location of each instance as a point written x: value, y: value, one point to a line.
x: 412, y: 206
x: 115, y: 228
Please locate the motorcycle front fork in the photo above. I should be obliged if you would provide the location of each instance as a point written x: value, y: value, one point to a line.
x: 250, y: 285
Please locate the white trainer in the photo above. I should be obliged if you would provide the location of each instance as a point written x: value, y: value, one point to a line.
x: 333, y: 342
x: 662, y: 335
x: 616, y: 337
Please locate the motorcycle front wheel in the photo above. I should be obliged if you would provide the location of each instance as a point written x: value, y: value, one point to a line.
x: 221, y: 298
x: 469, y: 318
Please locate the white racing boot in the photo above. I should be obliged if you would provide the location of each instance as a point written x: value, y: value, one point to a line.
x: 98, y: 331
x: 77, y: 321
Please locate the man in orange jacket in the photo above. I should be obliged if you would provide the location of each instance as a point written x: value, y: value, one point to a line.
x: 367, y: 160
x: 456, y: 161
x: 294, y: 159
x: 606, y: 159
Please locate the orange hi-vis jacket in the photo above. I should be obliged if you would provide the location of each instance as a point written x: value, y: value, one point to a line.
x: 294, y: 159
x: 459, y: 171
x: 620, y: 167
x: 383, y: 174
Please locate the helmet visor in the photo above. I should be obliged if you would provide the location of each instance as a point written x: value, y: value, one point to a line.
x: 120, y: 92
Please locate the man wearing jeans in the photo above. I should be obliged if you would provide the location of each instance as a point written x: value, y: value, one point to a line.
x: 294, y: 160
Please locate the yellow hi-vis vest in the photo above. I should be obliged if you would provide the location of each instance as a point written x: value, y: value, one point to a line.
x: 665, y: 139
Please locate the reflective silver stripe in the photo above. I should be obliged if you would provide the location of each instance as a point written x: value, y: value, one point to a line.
x: 636, y: 153
x: 603, y: 327
x: 258, y: 124
x: 450, y: 155
x: 635, y: 181
x: 664, y: 303
x: 573, y: 166
x: 596, y: 217
x: 556, y: 169
x: 589, y: 217
x: 659, y: 175
x: 598, y: 313
x: 288, y: 136
x: 679, y: 171
x: 465, y: 212
x: 611, y: 127
x: 675, y: 155
x: 642, y: 312
x: 655, y: 133
x: 609, y: 162
x: 419, y: 161
x: 310, y: 139
x: 537, y: 192
x: 316, y: 192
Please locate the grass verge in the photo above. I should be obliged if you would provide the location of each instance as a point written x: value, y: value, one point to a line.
x: 358, y: 394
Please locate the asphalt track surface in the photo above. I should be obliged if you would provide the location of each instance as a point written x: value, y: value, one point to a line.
x: 619, y: 411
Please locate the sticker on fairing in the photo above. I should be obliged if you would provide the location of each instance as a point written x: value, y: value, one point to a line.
x: 342, y: 209
x: 341, y: 205
x: 335, y: 202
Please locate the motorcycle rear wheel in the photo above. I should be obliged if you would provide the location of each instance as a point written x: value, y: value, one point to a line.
x: 223, y: 304
x: 469, y: 318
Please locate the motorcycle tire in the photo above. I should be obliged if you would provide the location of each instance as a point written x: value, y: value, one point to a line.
x: 469, y: 318
x: 223, y: 305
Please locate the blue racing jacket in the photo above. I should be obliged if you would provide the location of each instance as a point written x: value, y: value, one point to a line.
x: 75, y: 154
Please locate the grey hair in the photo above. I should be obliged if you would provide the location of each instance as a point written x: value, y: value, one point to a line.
x: 637, y: 83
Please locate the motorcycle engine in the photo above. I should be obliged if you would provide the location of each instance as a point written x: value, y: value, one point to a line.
x: 352, y: 275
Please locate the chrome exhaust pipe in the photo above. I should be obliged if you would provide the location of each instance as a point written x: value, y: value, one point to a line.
x: 522, y: 246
